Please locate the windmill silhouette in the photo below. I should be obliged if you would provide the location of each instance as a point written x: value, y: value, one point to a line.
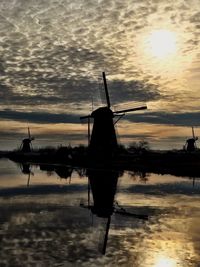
x: 191, y: 142
x: 26, y: 145
x: 103, y: 140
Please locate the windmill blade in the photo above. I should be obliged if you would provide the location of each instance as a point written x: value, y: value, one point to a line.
x: 85, y: 117
x: 137, y: 216
x: 106, y: 236
x: 20, y: 166
x: 20, y: 148
x: 193, y: 181
x: 106, y: 89
x: 31, y: 146
x: 88, y: 131
x: 120, y: 210
x: 193, y: 132
x: 88, y: 193
x: 28, y: 181
x: 29, y: 134
x: 129, y: 110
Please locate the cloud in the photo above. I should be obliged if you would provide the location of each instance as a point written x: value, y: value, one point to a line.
x: 38, y: 117
x: 156, y: 117
x: 62, y: 91
x: 164, y: 189
x: 52, y: 55
x: 165, y: 118
x: 121, y: 91
x: 37, y: 190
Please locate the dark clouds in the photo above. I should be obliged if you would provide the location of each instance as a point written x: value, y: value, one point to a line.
x: 179, y: 119
x: 63, y: 91
x: 165, y: 118
x: 52, y: 54
x: 121, y: 91
x: 38, y: 117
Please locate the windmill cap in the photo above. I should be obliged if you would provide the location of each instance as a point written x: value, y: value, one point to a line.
x: 103, y: 112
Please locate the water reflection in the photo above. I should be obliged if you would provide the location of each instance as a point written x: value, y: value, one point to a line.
x: 143, y: 176
x: 103, y: 184
x: 26, y: 169
x: 64, y: 172
x: 57, y: 223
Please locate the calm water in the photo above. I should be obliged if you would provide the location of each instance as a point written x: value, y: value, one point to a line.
x: 45, y: 219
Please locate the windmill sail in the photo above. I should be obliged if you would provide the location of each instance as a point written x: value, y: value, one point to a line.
x: 29, y: 134
x: 129, y: 110
x: 193, y: 135
x: 106, y: 90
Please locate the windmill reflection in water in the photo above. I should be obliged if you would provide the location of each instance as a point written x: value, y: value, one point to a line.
x: 26, y: 169
x: 62, y: 171
x: 102, y: 183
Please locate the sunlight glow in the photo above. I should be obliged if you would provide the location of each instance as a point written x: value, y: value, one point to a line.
x: 165, y: 262
x: 162, y: 43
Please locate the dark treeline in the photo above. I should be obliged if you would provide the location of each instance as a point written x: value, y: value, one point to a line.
x: 137, y: 156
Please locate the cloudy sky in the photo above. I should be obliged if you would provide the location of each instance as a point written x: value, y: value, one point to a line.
x: 53, y: 52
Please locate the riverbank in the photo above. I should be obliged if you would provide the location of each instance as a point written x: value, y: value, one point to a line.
x: 179, y: 163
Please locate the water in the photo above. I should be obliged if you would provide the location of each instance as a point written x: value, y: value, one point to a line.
x: 47, y: 220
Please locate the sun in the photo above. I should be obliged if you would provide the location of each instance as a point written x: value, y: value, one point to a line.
x: 165, y: 262
x: 162, y: 43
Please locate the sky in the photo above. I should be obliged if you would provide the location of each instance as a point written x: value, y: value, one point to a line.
x: 53, y: 53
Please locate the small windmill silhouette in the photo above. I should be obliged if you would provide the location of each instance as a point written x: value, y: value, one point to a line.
x: 103, y: 141
x: 191, y: 142
x: 26, y: 145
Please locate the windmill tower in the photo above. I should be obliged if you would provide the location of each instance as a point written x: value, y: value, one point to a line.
x: 103, y: 140
x: 26, y: 145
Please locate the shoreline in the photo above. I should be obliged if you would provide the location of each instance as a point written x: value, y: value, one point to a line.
x: 178, y: 163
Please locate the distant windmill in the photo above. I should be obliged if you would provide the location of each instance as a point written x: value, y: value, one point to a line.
x: 103, y: 141
x: 26, y: 145
x: 191, y: 142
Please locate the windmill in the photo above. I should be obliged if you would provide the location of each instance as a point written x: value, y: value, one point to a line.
x: 26, y: 145
x: 191, y: 142
x: 103, y: 141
